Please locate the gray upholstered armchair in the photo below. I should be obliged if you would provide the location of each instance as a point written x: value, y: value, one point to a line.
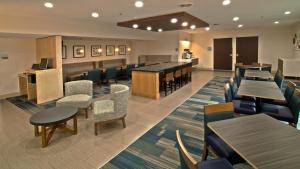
x: 113, y: 109
x: 78, y: 94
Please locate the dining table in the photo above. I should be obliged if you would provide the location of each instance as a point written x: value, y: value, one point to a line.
x: 260, y: 90
x: 262, y: 141
x: 258, y: 74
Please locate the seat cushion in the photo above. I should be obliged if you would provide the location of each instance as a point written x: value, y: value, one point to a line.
x: 78, y: 100
x: 244, y: 107
x: 222, y: 149
x: 221, y: 163
x: 104, y: 111
x: 279, y: 112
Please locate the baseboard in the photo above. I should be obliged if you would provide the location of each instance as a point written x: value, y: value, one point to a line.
x: 5, y: 96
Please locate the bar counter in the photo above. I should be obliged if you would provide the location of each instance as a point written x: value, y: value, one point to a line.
x: 145, y: 80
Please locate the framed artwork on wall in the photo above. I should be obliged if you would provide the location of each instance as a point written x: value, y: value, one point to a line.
x: 122, y: 49
x: 96, y: 50
x: 78, y: 51
x: 64, y: 52
x: 110, y: 50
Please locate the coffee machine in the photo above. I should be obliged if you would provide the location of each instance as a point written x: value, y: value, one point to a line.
x: 187, y: 54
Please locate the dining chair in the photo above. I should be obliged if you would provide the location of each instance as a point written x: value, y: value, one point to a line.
x: 212, y: 143
x: 238, y: 76
x: 279, y: 78
x: 289, y: 113
x: 111, y: 74
x: 288, y: 93
x: 188, y: 162
x: 94, y: 76
x: 240, y: 106
x: 267, y: 67
x: 234, y: 89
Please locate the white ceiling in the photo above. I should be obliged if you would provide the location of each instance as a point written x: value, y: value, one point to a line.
x: 252, y: 13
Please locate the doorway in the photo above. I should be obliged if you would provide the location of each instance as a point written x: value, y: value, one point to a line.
x: 223, y: 54
x: 247, y: 50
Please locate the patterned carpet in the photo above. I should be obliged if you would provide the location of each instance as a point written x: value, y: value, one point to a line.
x: 157, y: 148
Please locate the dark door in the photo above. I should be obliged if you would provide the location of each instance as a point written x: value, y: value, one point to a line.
x: 247, y: 50
x: 223, y: 54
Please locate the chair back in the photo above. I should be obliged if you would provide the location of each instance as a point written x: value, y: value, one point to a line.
x: 279, y: 78
x: 79, y: 87
x: 111, y: 73
x: 233, y: 86
x: 238, y: 77
x: 169, y: 76
x: 267, y: 67
x: 184, y: 71
x: 94, y: 75
x: 177, y: 73
x: 294, y: 105
x: 216, y: 112
x: 189, y: 69
x: 186, y: 160
x: 120, y: 95
x: 289, y: 91
x: 227, y: 93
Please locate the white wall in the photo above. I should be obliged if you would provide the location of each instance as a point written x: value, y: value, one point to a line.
x: 297, y: 32
x: 167, y: 44
x: 274, y: 42
x: 21, y: 56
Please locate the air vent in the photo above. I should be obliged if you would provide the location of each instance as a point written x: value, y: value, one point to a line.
x: 185, y: 5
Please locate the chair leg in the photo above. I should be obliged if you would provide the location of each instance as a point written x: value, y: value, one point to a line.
x: 87, y: 113
x: 205, y: 152
x: 124, y: 123
x: 96, y: 129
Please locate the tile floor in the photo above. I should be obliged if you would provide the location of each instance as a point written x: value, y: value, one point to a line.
x: 20, y: 149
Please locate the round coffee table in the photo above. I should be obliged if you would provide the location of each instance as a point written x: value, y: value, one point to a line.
x: 50, y: 119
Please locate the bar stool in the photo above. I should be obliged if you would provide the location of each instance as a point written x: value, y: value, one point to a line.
x: 167, y: 81
x: 184, y: 75
x: 189, y: 73
x: 177, y: 77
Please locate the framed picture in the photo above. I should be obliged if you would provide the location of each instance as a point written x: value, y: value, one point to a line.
x: 110, y: 50
x: 96, y: 50
x: 78, y: 51
x: 122, y: 49
x: 64, y: 52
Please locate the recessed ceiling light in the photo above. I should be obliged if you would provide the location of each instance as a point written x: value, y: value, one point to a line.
x: 226, y: 2
x: 149, y: 28
x: 207, y: 28
x: 287, y: 12
x: 276, y: 22
x: 160, y: 30
x: 240, y: 25
x: 174, y: 20
x: 139, y: 4
x: 184, y: 24
x: 193, y: 26
x: 135, y: 26
x: 236, y: 18
x: 95, y: 14
x: 48, y: 5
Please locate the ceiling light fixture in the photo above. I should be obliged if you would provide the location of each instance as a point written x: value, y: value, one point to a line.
x: 240, y: 26
x: 95, y: 14
x: 48, y: 5
x: 226, y: 2
x: 160, y: 30
x: 135, y: 26
x: 207, y: 28
x: 184, y: 24
x: 139, y: 4
x: 174, y: 20
x: 149, y: 28
x: 236, y: 18
x: 193, y: 26
x: 287, y: 12
x: 276, y: 22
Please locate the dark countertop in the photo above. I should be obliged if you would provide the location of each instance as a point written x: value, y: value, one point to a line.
x: 160, y: 67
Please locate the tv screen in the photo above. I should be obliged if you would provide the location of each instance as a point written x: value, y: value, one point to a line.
x: 44, y: 63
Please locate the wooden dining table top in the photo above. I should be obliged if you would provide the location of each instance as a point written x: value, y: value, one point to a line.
x: 260, y: 89
x: 264, y: 142
x: 258, y: 74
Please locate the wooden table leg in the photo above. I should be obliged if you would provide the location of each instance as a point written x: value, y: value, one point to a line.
x: 36, y: 131
x: 75, y: 125
x: 44, y: 137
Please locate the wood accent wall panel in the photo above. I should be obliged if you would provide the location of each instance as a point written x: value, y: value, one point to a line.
x: 145, y: 84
